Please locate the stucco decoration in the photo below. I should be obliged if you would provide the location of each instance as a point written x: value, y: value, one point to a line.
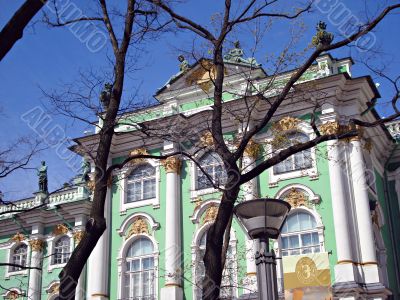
x: 139, y: 226
x: 138, y: 151
x: 60, y: 229
x: 329, y: 128
x: 172, y: 164
x: 203, y: 76
x: 78, y: 235
x: 296, y: 198
x: 13, y: 294
x: 286, y: 124
x: 91, y: 185
x: 197, y: 203
x: 207, y: 139
x: 18, y: 237
x: 37, y: 245
x: 53, y: 289
x: 210, y: 214
x: 253, y: 149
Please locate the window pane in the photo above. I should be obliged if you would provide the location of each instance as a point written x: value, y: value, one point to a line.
x: 285, y: 243
x: 294, y: 241
x: 306, y: 239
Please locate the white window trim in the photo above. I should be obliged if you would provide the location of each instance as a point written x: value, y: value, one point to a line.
x: 194, y: 192
x: 124, y: 183
x: 312, y: 172
x: 51, y: 240
x: 319, y: 228
x: 195, y: 247
x: 121, y: 266
x: 10, y: 250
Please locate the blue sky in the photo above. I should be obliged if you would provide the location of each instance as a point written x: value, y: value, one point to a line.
x: 47, y: 58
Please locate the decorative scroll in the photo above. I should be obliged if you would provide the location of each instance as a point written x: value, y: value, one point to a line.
x: 253, y: 149
x: 60, y: 229
x: 172, y: 164
x: 78, y: 235
x: 37, y: 245
x: 296, y: 198
x: 207, y: 139
x: 18, y: 237
x: 138, y: 151
x: 139, y: 226
x: 210, y: 214
x: 286, y: 123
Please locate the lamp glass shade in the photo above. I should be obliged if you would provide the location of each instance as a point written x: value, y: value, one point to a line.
x: 263, y: 217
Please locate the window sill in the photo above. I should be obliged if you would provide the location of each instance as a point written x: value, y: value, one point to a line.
x: 206, y: 191
x: 276, y: 178
x: 16, y: 273
x: 57, y: 266
x: 139, y: 203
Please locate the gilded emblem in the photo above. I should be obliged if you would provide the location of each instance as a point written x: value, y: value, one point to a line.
x: 306, y: 270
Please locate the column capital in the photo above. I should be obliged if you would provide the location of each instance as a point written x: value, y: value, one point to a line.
x: 78, y: 235
x: 252, y: 149
x: 172, y: 164
x: 37, y: 245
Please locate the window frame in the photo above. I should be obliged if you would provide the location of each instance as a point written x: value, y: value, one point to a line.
x: 319, y: 228
x: 63, y: 255
x: 121, y: 263
x: 311, y: 172
x: 51, y: 242
x: 123, y: 187
x: 11, y: 249
x: 195, y: 191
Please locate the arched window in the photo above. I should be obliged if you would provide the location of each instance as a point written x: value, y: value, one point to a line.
x: 139, y: 277
x: 18, y: 257
x: 141, y: 183
x: 61, y: 251
x: 299, y: 161
x: 228, y: 283
x: 300, y: 234
x: 212, y: 165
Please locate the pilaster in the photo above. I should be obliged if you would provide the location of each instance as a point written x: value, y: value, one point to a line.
x: 35, y: 273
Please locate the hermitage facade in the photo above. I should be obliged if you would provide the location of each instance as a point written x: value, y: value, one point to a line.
x: 340, y: 240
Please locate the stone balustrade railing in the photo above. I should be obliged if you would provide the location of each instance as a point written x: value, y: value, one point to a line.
x: 63, y: 196
x: 394, y: 129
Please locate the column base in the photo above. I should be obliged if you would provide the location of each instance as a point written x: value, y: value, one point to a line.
x: 99, y: 297
x: 171, y: 292
x: 355, y: 291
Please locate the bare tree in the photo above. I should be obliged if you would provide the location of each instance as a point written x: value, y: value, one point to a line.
x: 14, y: 29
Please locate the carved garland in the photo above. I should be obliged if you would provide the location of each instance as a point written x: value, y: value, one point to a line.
x: 37, y: 245
x: 210, y: 214
x: 296, y: 198
x: 60, y: 229
x: 139, y: 226
x: 18, y: 237
x: 172, y: 164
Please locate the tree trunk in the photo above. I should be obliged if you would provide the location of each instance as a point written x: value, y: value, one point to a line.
x: 14, y: 28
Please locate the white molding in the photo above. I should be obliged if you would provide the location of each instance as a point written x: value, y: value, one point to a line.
x: 312, y: 172
x: 121, y: 265
x: 129, y: 220
x: 9, y: 252
x: 51, y: 240
x: 123, y: 187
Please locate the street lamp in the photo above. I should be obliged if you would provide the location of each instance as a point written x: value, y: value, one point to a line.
x: 263, y: 219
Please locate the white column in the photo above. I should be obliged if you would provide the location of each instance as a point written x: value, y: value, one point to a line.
x: 363, y: 213
x: 99, y: 261
x: 35, y: 275
x: 250, y: 190
x: 80, y: 222
x: 344, y: 270
x: 172, y: 289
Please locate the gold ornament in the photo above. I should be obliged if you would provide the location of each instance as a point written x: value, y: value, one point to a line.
x: 78, y: 235
x: 138, y: 151
x: 197, y: 203
x: 286, y: 123
x: 306, y: 270
x: 252, y: 149
x: 329, y: 128
x: 172, y: 164
x: 18, y: 237
x: 12, y: 295
x: 54, y: 289
x: 207, y: 139
x: 296, y: 198
x: 37, y: 245
x: 210, y: 214
x: 91, y: 185
x: 60, y: 229
x: 139, y: 226
x: 204, y: 76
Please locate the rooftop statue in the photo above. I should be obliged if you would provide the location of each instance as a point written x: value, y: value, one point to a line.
x: 322, y: 37
x: 42, y: 173
x: 184, y: 65
x: 105, y: 95
x: 235, y: 55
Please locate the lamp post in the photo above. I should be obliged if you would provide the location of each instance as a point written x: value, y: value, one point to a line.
x: 263, y: 219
